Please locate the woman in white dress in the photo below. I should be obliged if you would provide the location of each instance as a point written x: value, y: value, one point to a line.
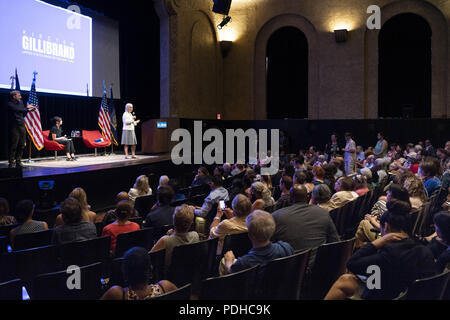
x: 128, y: 135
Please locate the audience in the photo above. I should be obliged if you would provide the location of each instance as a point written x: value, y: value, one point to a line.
x: 442, y: 225
x: 73, y: 229
x: 183, y: 218
x: 218, y: 192
x: 111, y: 215
x: 401, y: 260
x: 136, y: 270
x: 86, y: 214
x: 261, y: 226
x: 5, y: 219
x: 319, y: 175
x: 285, y: 198
x: 302, y: 225
x: 344, y: 192
x: 234, y: 222
x: 124, y: 211
x: 360, y: 185
x: 163, y: 181
x: 201, y: 178
x: 24, y: 216
x: 261, y: 197
x: 163, y: 214
x: 427, y: 171
x: 141, y: 188
x: 321, y: 196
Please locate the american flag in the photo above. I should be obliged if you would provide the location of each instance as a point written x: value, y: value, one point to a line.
x: 103, y: 117
x: 33, y: 118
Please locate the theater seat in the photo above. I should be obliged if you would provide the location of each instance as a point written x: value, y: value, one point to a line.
x: 89, y: 138
x: 51, y: 145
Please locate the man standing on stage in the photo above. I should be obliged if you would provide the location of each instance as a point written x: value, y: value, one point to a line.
x: 16, y: 113
x: 350, y: 154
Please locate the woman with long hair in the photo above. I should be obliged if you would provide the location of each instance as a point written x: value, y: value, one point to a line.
x: 140, y: 188
x: 86, y: 213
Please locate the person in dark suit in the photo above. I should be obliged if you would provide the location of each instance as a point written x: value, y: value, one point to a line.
x: 163, y: 214
x: 16, y: 113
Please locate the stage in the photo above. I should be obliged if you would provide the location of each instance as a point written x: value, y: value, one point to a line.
x: 101, y: 176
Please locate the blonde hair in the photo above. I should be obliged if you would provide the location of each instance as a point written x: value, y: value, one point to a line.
x: 80, y: 195
x: 183, y: 217
x: 142, y: 185
x: 128, y: 105
x: 261, y: 189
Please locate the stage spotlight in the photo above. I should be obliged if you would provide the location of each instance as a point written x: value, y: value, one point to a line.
x: 224, y: 22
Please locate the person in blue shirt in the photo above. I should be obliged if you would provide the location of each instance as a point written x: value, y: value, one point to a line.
x: 428, y: 171
x: 261, y: 227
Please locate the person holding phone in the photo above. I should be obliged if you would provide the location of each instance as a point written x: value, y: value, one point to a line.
x: 234, y: 222
x: 128, y: 134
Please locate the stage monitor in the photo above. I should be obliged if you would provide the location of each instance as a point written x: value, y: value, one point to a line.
x: 71, y: 52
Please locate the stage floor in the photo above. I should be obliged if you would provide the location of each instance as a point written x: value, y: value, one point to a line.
x: 89, y: 162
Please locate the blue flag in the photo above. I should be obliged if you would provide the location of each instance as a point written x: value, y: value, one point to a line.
x: 113, y: 118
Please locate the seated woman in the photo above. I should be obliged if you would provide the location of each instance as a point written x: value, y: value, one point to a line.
x: 73, y: 229
x: 439, y: 241
x: 56, y: 135
x: 235, y: 222
x: 141, y: 188
x: 361, y: 187
x: 183, y: 218
x: 201, y: 178
x: 24, y: 216
x: 399, y: 258
x: 136, y: 267
x: 86, y: 213
x: 261, y: 197
x: 5, y: 219
x: 124, y: 211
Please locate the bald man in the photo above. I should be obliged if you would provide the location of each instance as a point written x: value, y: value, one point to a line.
x: 302, y: 225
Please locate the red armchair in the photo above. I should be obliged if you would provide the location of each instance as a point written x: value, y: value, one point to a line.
x: 89, y: 138
x: 51, y: 145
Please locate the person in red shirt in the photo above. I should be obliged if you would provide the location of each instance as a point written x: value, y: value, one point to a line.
x: 124, y: 211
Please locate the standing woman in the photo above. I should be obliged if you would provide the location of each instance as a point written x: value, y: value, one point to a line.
x: 56, y: 135
x: 128, y: 135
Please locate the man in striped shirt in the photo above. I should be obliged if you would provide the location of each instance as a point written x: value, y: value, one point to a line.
x: 16, y: 113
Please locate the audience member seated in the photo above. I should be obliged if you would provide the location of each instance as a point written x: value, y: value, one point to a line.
x: 427, y: 172
x: 202, y: 177
x: 371, y: 222
x: 73, y: 229
x: 163, y: 181
x: 328, y: 179
x: 163, y: 214
x: 309, y: 181
x: 136, y: 270
x: 234, y: 222
x: 319, y: 175
x: 124, y: 211
x: 267, y: 181
x: 141, y: 188
x: 24, y: 216
x: 401, y: 261
x: 218, y: 192
x: 175, y: 185
x: 360, y: 185
x: 285, y: 199
x: 5, y: 219
x: 218, y: 171
x: 111, y: 215
x: 226, y: 170
x: 261, y: 227
x: 86, y: 214
x: 344, y: 192
x: 238, y: 168
x: 302, y: 225
x: 237, y: 187
x: 367, y: 173
x: 299, y: 178
x: 416, y: 190
x: 339, y: 163
x: 442, y: 226
x: 321, y: 196
x: 261, y: 197
x: 183, y: 218
x: 299, y: 164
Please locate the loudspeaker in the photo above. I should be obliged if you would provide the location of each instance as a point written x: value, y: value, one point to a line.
x: 222, y: 6
x: 10, y: 173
